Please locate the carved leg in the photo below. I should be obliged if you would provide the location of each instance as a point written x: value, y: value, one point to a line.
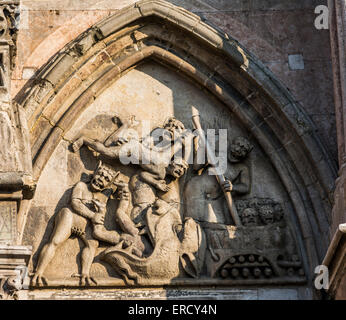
x: 102, y: 234
x: 88, y: 254
x: 133, y: 244
x: 125, y: 223
x: 97, y: 146
x: 86, y: 141
x: 61, y: 232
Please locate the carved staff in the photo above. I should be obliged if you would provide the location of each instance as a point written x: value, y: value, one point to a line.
x: 219, y: 177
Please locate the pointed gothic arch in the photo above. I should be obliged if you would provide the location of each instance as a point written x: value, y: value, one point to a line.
x: 181, y: 41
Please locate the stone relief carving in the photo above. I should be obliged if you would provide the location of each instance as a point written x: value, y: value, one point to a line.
x: 9, y: 19
x: 88, y: 204
x: 263, y: 247
x: 13, y: 270
x: 7, y: 221
x: 203, y: 195
x: 8, y: 154
x: 9, y: 287
x: 158, y: 239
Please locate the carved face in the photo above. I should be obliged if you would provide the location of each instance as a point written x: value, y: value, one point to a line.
x: 102, y: 179
x: 249, y: 217
x: 240, y: 148
x: 177, y: 169
x: 267, y: 214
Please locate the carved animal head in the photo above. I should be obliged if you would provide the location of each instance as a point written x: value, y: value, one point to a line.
x: 14, y: 283
x: 163, y: 222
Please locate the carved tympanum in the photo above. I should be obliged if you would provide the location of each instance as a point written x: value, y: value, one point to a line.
x: 159, y: 239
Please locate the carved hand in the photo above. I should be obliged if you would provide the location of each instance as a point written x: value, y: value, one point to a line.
x: 227, y: 186
x: 124, y: 192
x: 98, y: 218
x: 121, y: 141
x: 100, y: 207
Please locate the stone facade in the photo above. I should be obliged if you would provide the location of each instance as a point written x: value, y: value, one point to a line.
x: 335, y: 257
x: 82, y: 81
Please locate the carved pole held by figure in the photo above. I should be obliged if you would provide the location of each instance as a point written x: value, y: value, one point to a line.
x: 220, y: 177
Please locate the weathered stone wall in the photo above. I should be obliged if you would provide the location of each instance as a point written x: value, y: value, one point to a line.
x: 336, y: 255
x: 272, y: 30
x: 162, y: 92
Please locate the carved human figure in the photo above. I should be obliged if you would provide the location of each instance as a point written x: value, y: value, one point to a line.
x: 238, y: 176
x: 88, y: 204
x: 144, y: 194
x: 125, y: 143
x: 156, y: 172
x: 152, y: 157
x: 172, y: 138
x: 203, y: 196
x: 176, y: 169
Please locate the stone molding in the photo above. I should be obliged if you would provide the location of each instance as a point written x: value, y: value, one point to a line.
x: 335, y: 260
x: 335, y: 257
x: 13, y: 270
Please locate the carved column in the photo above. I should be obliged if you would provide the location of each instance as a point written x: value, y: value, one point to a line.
x: 336, y: 255
x: 15, y: 160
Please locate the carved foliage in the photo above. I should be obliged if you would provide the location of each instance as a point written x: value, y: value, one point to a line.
x: 9, y: 22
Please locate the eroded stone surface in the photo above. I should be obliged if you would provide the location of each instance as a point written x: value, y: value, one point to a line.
x: 165, y: 224
x: 152, y: 93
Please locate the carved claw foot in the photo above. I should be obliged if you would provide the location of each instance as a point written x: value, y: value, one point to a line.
x: 84, y: 279
x: 39, y: 280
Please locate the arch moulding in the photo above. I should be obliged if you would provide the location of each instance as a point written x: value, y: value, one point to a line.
x: 180, y: 41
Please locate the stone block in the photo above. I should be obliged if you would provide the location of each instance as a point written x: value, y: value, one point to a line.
x: 296, y: 61
x: 8, y: 213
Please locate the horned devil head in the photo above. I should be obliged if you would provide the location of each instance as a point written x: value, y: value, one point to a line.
x: 103, y: 177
